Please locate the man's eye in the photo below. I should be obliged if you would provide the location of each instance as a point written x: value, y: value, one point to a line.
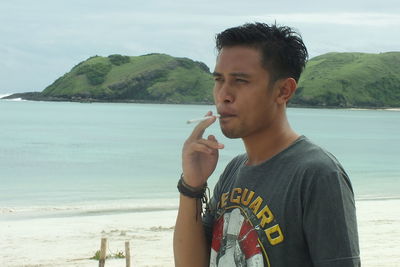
x: 218, y: 79
x: 241, y: 81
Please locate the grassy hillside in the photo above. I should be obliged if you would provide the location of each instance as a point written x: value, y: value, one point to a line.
x: 329, y: 80
x: 351, y: 80
x: 153, y: 77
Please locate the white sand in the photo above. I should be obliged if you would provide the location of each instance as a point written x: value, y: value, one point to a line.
x: 70, y: 241
x: 379, y: 232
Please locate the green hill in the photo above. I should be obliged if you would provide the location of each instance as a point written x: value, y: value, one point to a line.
x: 350, y: 80
x: 329, y: 80
x: 153, y: 77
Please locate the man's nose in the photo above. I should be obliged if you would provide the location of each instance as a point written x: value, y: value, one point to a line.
x: 224, y: 93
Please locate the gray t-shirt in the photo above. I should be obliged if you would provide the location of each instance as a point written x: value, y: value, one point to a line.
x: 295, y: 209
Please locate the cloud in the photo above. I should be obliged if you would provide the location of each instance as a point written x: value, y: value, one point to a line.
x: 46, y: 38
x: 355, y: 19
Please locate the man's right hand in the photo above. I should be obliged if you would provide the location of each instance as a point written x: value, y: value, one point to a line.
x: 200, y: 155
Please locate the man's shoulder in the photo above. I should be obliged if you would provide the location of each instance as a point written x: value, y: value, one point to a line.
x: 317, y: 167
x: 312, y: 156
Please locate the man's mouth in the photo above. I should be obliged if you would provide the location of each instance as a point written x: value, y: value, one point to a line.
x: 226, y: 115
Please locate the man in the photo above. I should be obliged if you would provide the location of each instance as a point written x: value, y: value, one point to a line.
x: 286, y: 202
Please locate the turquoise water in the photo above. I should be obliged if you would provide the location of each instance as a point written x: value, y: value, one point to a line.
x: 54, y: 154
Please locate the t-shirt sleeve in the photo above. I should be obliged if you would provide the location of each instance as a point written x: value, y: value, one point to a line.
x: 329, y: 221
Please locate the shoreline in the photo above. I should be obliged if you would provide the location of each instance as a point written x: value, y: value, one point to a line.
x: 19, y: 97
x: 97, y: 208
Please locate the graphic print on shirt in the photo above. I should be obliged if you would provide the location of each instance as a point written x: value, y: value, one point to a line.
x: 243, y: 228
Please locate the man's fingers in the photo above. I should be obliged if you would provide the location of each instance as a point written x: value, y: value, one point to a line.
x: 202, y: 126
x: 205, y: 146
x: 198, y: 147
x: 213, y: 139
x: 210, y: 143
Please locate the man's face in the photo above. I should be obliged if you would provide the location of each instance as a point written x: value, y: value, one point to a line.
x: 242, y: 93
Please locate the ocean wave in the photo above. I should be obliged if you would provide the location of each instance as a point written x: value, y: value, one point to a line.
x: 4, y: 95
x: 91, y: 209
x: 115, y: 207
x: 377, y: 198
x: 12, y: 99
x: 15, y: 99
x: 367, y: 109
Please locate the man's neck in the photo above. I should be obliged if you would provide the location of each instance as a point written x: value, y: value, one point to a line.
x: 265, y: 145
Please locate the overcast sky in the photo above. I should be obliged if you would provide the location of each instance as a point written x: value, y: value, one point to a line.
x: 43, y: 39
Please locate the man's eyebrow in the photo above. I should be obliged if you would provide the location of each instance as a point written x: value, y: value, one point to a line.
x: 216, y: 74
x: 240, y: 74
x: 234, y: 74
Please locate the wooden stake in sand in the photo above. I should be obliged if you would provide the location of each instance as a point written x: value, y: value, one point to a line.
x: 127, y: 254
x: 103, y: 248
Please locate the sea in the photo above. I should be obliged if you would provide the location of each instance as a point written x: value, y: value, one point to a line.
x: 76, y: 159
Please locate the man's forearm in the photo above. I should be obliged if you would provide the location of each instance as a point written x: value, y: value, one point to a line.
x: 190, y: 246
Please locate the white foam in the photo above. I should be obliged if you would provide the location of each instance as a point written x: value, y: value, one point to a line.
x: 4, y: 95
x: 89, y: 208
x: 366, y: 109
x: 377, y: 197
x: 12, y: 99
x: 16, y: 99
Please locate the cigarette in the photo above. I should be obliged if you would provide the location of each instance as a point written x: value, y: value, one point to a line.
x: 202, y: 119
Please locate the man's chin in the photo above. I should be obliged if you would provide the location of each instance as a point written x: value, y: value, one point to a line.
x: 229, y: 133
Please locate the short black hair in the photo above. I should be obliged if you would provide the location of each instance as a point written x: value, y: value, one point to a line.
x: 283, y: 51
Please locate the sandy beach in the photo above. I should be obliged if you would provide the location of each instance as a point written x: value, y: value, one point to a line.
x: 71, y: 241
x: 379, y: 232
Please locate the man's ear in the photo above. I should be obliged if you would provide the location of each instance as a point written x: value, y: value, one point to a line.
x: 286, y: 89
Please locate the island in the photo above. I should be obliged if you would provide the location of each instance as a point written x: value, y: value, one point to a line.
x: 154, y: 78
x: 332, y: 80
x: 347, y: 80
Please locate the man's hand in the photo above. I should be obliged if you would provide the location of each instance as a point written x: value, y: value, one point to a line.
x: 199, y: 155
